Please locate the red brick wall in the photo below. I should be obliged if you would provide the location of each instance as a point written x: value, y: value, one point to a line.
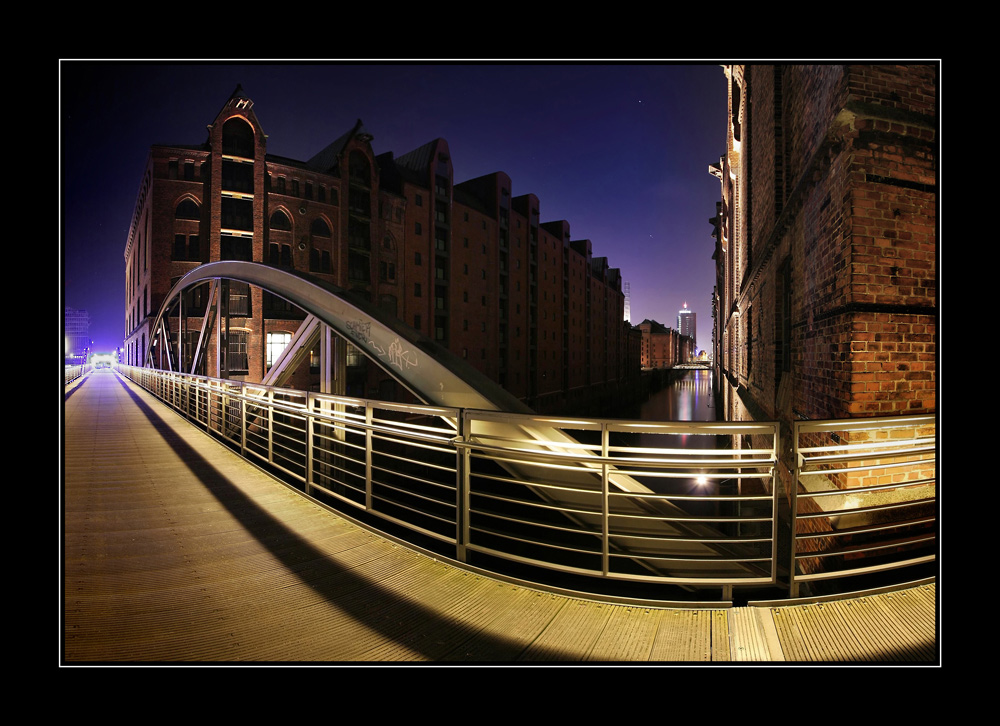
x: 836, y: 177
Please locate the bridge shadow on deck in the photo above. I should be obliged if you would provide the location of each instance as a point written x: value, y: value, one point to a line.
x: 396, y: 615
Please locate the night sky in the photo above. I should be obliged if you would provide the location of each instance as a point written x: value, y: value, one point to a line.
x: 620, y: 151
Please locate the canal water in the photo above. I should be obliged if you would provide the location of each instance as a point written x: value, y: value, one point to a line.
x: 689, y: 398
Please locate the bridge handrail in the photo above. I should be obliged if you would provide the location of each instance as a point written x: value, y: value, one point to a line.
x: 74, y: 371
x: 862, y: 486
x: 466, y: 478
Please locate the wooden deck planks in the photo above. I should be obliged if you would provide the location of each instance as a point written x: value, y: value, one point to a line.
x: 177, y: 550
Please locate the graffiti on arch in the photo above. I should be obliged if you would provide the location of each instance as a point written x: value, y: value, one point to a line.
x: 396, y: 355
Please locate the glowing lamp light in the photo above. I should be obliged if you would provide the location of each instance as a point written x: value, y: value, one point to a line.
x: 701, y: 479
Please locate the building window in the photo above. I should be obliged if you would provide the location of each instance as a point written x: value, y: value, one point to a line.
x: 418, y: 229
x: 280, y: 220
x: 418, y: 200
x: 416, y: 289
x: 320, y: 228
x: 238, y: 138
x: 187, y: 209
x: 239, y: 299
x: 237, y: 360
x: 276, y: 343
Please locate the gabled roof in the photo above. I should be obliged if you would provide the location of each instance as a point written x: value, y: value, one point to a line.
x: 329, y: 157
x: 654, y: 327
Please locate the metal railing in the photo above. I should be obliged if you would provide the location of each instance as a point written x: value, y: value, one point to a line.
x: 72, y: 372
x: 691, y: 504
x: 628, y: 500
x: 865, y: 498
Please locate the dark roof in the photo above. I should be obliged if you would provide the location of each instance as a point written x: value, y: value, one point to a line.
x: 328, y: 158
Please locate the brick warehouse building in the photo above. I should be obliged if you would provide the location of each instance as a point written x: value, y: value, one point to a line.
x: 663, y: 347
x: 826, y: 244
x: 468, y: 264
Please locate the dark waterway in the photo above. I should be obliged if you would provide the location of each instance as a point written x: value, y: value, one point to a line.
x: 689, y: 398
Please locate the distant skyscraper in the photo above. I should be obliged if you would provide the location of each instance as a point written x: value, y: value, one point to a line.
x: 77, y: 333
x: 687, y: 323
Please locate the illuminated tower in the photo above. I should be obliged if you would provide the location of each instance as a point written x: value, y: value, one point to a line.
x: 687, y: 323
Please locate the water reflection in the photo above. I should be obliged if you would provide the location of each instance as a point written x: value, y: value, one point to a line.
x: 689, y: 398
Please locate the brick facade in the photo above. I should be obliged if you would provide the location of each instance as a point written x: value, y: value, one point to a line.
x: 467, y: 264
x: 827, y: 242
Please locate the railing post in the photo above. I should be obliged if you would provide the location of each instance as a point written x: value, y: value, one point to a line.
x: 368, y: 456
x: 605, y: 504
x: 310, y: 429
x: 462, y: 495
x: 270, y: 425
x: 775, y: 477
x: 793, y: 586
x: 243, y: 420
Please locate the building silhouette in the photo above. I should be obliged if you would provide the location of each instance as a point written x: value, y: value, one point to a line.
x: 76, y: 333
x: 468, y: 264
x: 687, y: 323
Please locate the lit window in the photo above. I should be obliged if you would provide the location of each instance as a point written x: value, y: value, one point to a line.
x: 276, y: 343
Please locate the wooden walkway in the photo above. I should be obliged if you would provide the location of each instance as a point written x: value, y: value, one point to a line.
x: 176, y: 550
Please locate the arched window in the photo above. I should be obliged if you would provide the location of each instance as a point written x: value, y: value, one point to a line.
x: 187, y: 209
x: 280, y: 220
x: 237, y: 138
x: 320, y: 228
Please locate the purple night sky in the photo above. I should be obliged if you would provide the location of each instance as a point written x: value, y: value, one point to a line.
x: 620, y: 151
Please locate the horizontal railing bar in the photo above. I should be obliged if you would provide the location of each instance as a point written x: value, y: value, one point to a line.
x: 435, y: 484
x: 692, y: 518
x: 880, y: 423
x: 863, y: 490
x: 863, y: 529
x: 539, y: 525
x: 864, y: 570
x: 690, y: 540
x: 863, y: 510
x: 841, y: 551
x: 536, y: 484
x: 923, y: 464
x: 409, y: 508
x: 695, y: 497
x: 869, y: 450
x: 596, y: 512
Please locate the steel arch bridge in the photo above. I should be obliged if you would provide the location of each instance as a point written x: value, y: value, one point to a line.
x: 430, y: 372
x: 438, y: 378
